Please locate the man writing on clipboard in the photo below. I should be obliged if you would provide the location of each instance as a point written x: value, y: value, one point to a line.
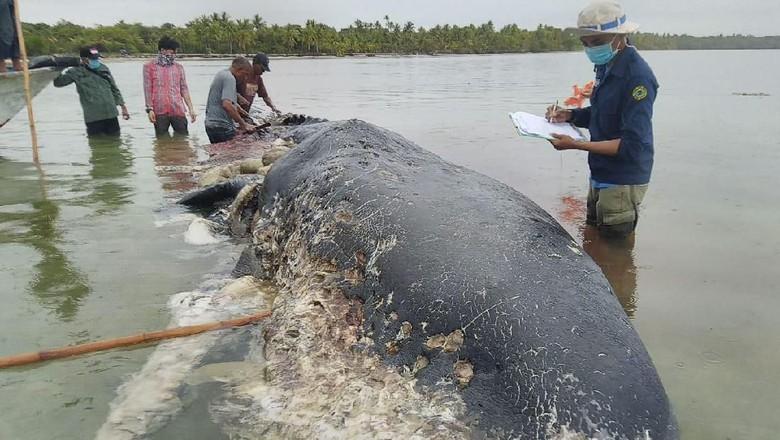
x: 620, y: 152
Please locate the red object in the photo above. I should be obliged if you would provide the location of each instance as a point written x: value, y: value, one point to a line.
x: 572, y: 210
x: 240, y: 147
x: 579, y: 95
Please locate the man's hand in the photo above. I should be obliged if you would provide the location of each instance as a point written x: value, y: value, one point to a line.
x: 276, y: 110
x: 243, y: 102
x: 193, y: 117
x: 557, y: 114
x: 125, y: 113
x: 564, y: 142
x: 247, y: 128
x: 152, y: 117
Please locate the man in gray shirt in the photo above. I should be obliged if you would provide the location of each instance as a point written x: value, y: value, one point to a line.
x: 222, y: 105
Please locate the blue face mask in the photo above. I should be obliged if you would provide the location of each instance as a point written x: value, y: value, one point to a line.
x: 600, y: 55
x: 94, y: 64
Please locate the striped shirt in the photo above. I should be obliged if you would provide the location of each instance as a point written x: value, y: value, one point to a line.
x: 165, y: 88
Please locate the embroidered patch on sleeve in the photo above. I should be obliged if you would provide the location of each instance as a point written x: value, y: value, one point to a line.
x: 639, y: 93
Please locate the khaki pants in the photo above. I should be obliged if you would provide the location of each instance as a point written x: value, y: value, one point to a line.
x: 615, y: 210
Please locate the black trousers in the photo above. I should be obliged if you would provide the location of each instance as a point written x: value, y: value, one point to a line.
x: 179, y: 124
x: 104, y: 126
x: 219, y: 134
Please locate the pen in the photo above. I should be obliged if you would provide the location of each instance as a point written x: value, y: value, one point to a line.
x: 554, y: 110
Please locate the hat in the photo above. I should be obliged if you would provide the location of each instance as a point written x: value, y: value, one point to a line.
x: 89, y: 52
x: 262, y: 59
x: 603, y: 17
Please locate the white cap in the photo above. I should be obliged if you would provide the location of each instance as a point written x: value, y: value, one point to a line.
x: 603, y: 17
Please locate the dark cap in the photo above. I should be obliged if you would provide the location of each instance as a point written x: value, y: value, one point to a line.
x: 89, y: 52
x: 262, y: 59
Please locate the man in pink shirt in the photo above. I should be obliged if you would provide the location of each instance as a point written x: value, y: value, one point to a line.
x: 166, y: 92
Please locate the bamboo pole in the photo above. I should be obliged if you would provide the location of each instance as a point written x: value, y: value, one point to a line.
x: 142, y: 338
x: 26, y: 70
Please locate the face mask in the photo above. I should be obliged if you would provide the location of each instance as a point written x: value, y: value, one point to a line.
x: 165, y: 59
x: 93, y: 64
x: 600, y: 55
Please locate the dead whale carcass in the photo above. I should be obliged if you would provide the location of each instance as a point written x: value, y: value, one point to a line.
x: 449, y: 276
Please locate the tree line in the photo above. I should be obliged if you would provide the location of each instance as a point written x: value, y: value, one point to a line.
x: 219, y: 33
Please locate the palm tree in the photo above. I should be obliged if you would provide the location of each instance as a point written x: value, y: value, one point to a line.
x: 311, y: 35
x: 293, y: 36
x: 258, y: 22
x: 244, y: 34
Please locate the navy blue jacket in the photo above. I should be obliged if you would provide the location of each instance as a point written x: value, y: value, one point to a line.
x: 621, y: 107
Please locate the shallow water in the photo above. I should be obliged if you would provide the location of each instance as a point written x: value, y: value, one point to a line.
x: 93, y: 248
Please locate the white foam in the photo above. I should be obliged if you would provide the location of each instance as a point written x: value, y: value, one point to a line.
x: 149, y: 399
x: 200, y: 233
x: 180, y: 218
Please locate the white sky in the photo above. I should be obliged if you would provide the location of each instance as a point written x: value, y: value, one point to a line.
x: 695, y: 17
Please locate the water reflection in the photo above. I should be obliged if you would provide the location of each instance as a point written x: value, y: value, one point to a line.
x: 174, y: 157
x: 111, y: 161
x: 615, y: 257
x: 56, y: 283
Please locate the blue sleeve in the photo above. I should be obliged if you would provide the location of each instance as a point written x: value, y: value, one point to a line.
x: 636, y: 125
x: 580, y: 117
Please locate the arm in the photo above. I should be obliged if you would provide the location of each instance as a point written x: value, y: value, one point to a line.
x: 231, y: 110
x: 263, y: 93
x: 185, y: 93
x: 117, y: 95
x: 114, y: 89
x: 607, y: 148
x: 229, y: 98
x: 147, y: 85
x: 243, y: 103
x: 148, y: 93
x: 635, y: 125
x: 269, y: 103
x: 242, y: 111
x: 65, y: 78
x: 577, y: 116
x: 580, y: 117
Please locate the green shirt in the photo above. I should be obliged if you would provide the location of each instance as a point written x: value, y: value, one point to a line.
x: 98, y: 92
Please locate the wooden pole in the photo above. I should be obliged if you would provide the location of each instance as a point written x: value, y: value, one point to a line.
x: 142, y: 338
x: 28, y: 95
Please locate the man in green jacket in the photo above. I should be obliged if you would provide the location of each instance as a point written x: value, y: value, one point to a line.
x: 98, y: 93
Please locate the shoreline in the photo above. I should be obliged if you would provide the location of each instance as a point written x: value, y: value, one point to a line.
x: 227, y: 57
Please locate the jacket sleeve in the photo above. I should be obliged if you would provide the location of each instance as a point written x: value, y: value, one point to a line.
x: 65, y: 78
x: 636, y: 126
x: 580, y: 117
x: 115, y: 90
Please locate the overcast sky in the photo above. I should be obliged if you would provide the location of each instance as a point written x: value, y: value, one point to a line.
x: 696, y: 17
